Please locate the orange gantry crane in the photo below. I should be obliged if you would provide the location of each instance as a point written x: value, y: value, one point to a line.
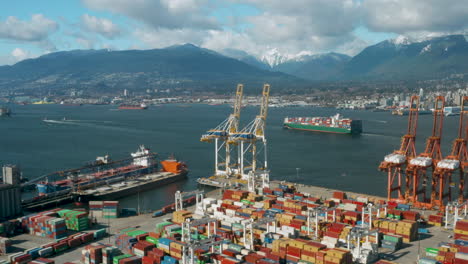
x: 457, y: 161
x: 416, y: 171
x: 393, y: 163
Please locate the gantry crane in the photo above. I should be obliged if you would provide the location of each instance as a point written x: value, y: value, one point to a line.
x: 366, y: 252
x: 252, y: 134
x: 189, y: 249
x: 456, y: 161
x: 394, y: 162
x: 220, y: 135
x: 416, y: 171
x: 179, y: 196
x: 250, y: 225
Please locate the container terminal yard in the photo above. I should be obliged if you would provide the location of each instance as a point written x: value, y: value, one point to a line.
x: 249, y: 219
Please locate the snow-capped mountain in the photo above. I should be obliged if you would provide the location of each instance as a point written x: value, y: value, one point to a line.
x: 314, y: 67
x: 274, y: 57
x: 406, y: 58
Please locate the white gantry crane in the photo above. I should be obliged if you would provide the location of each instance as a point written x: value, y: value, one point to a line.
x: 188, y: 251
x: 248, y: 240
x: 191, y: 245
x: 220, y: 135
x: 248, y: 140
x: 363, y: 252
x: 179, y: 198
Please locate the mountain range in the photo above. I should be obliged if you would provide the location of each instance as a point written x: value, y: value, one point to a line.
x: 193, y: 67
x: 395, y: 59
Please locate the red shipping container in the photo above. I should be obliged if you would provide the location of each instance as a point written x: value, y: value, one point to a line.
x: 229, y: 261
x: 293, y: 251
x: 148, y: 260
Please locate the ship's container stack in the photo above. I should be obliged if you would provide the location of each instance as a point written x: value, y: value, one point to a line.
x: 20, y: 258
x: 95, y: 208
x: 47, y: 226
x: 117, y: 259
x: 175, y: 249
x: 141, y: 248
x: 180, y: 216
x: 110, y: 209
x: 392, y: 242
x: 93, y: 253
x: 160, y: 227
x: 75, y: 220
x: 5, y: 246
x: 450, y: 253
x: 155, y: 256
x: 108, y: 253
x: 125, y: 242
x: 436, y: 220
x: 461, y: 230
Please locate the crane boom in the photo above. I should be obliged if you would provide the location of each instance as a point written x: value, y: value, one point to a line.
x: 231, y: 124
x: 221, y: 134
x: 237, y: 109
x: 433, y: 143
x: 407, y: 146
x: 416, y: 171
x: 394, y: 162
x: 459, y: 146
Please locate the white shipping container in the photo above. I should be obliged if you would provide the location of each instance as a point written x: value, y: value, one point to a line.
x: 138, y: 252
x: 362, y: 199
x: 460, y: 255
x: 238, y: 204
x: 209, y: 200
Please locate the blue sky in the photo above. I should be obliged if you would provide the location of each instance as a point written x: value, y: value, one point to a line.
x: 30, y: 28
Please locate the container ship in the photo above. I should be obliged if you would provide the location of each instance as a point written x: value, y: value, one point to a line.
x: 138, y: 173
x: 333, y: 124
x: 133, y: 107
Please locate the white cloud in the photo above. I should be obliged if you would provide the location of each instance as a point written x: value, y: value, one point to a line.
x: 20, y: 54
x: 407, y: 16
x: 162, y: 37
x: 102, y: 26
x: 85, y: 43
x: 16, y: 55
x: 289, y: 27
x: 172, y: 14
x: 37, y: 29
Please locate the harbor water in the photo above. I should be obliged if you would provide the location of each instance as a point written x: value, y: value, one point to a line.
x: 74, y: 135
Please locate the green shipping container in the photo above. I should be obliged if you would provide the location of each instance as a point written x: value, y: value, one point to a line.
x: 116, y: 260
x: 395, y: 239
x: 152, y: 240
x: 432, y: 250
x: 160, y: 226
x: 136, y: 233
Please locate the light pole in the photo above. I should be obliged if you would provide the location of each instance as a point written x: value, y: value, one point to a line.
x: 297, y: 173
